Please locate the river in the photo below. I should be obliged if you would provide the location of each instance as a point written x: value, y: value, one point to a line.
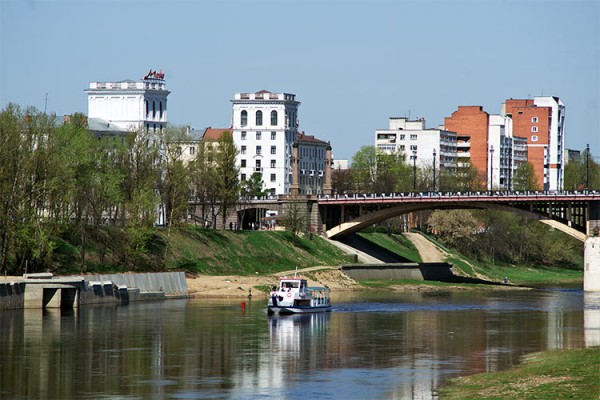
x: 372, y: 346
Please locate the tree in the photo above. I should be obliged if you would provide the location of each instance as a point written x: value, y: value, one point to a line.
x: 295, y: 218
x: 457, y: 228
x: 580, y: 171
x: 342, y: 181
x: 364, y: 169
x: 226, y: 175
x: 253, y: 187
x: 525, y: 178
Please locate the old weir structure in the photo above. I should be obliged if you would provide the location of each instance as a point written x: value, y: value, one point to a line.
x: 43, y: 290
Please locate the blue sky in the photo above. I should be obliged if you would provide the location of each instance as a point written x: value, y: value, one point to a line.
x: 352, y: 64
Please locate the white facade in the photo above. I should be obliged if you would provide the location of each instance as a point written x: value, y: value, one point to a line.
x: 264, y: 127
x: 130, y: 105
x: 413, y: 139
x: 555, y: 170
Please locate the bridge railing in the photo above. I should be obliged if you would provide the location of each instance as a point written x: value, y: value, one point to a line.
x: 472, y: 194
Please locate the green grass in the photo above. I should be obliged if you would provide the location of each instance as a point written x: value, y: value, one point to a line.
x: 517, y: 275
x: 395, y: 243
x: 558, y: 374
x: 198, y: 250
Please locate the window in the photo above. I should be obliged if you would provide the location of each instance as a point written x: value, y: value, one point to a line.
x: 244, y: 118
x: 402, y: 136
x: 273, y: 135
x: 258, y: 135
x: 534, y: 120
x: 243, y: 177
x: 259, y: 118
x: 258, y: 150
x: 243, y: 150
x: 413, y: 137
x: 273, y: 163
x: 243, y: 163
x: 413, y: 147
x: 273, y: 178
x: 534, y: 129
x: 160, y: 115
x: 243, y: 135
x: 273, y: 118
x: 534, y: 138
x: 273, y: 149
x: 192, y: 150
x: 153, y: 109
x: 402, y: 147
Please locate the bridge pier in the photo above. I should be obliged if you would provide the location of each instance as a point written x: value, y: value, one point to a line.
x: 591, y: 265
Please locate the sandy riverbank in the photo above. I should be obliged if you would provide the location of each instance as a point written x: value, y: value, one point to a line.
x: 241, y: 286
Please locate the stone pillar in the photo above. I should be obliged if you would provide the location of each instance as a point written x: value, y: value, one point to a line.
x: 591, y: 265
x: 328, y: 166
x: 591, y: 252
x: 295, y: 188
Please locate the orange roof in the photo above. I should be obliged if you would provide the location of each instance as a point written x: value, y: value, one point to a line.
x: 214, y: 134
x: 303, y: 137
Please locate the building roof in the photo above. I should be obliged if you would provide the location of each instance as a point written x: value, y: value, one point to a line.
x: 214, y: 134
x: 304, y: 138
x: 102, y: 126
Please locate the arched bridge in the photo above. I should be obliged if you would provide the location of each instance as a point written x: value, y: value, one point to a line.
x: 576, y: 213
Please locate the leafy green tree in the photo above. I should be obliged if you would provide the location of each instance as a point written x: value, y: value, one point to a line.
x: 582, y: 171
x: 364, y: 169
x: 254, y: 186
x: 525, y: 179
x: 228, y: 184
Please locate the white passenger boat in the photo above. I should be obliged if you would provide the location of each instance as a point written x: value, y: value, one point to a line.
x: 294, y: 296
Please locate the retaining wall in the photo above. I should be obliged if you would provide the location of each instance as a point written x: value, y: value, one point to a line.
x: 416, y: 271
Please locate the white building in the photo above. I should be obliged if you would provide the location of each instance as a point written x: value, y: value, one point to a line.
x: 505, y: 153
x: 128, y: 105
x: 414, y: 140
x: 554, y: 163
x: 265, y: 126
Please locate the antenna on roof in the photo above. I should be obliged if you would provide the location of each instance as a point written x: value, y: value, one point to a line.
x: 45, y: 102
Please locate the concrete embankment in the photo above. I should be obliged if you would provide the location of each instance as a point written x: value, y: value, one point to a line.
x: 47, y: 291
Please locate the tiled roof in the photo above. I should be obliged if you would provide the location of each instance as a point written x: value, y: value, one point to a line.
x: 214, y: 134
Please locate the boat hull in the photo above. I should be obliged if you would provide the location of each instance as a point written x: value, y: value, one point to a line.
x: 279, y: 310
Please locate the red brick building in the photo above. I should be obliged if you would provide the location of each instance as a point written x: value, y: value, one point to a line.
x: 471, y: 126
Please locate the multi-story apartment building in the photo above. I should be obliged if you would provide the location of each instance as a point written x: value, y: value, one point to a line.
x: 128, y: 105
x: 265, y: 131
x: 420, y: 145
x: 541, y: 122
x: 265, y: 126
x: 505, y: 153
x: 471, y: 126
x: 312, y: 156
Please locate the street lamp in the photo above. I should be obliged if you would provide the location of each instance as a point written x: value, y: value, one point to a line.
x: 587, y: 166
x: 414, y: 170
x: 434, y: 154
x: 491, y: 167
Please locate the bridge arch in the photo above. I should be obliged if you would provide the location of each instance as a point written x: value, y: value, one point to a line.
x: 374, y: 217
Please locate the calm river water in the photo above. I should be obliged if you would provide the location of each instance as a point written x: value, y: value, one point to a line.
x: 372, y: 346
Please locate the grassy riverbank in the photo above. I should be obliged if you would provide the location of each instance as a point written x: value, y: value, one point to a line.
x: 560, y: 374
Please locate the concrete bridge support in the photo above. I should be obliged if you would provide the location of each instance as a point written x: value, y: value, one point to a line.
x: 591, y: 265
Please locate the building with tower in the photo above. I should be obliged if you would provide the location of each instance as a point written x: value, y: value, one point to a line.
x: 128, y: 105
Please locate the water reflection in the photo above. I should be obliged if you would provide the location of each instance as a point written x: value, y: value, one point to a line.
x: 371, y: 345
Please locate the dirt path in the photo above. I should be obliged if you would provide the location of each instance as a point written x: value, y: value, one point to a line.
x: 428, y: 251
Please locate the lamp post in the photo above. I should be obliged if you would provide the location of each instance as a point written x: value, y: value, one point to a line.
x: 491, y: 167
x: 414, y: 170
x: 434, y: 154
x: 587, y: 166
